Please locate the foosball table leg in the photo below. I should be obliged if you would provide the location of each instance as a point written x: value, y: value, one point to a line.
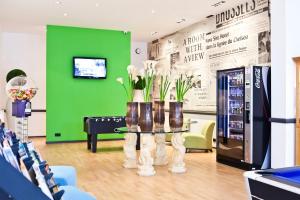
x: 89, y: 141
x: 94, y: 143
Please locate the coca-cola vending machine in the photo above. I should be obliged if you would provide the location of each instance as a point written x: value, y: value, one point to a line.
x: 243, y: 113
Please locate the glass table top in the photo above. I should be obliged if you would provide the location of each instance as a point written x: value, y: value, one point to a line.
x: 154, y: 131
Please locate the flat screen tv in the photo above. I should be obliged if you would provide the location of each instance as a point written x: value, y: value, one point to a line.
x: 90, y: 68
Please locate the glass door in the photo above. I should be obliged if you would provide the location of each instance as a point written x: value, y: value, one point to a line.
x: 231, y: 113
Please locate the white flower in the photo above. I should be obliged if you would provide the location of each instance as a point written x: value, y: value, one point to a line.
x: 131, y: 69
x: 136, y: 79
x: 120, y: 80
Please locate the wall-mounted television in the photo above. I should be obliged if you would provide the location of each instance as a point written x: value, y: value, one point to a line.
x: 89, y: 68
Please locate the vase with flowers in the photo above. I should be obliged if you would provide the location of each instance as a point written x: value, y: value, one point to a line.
x: 183, y: 84
x: 131, y: 118
x: 145, y: 167
x: 159, y: 120
x: 146, y: 115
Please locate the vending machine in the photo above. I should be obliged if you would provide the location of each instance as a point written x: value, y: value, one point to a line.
x: 243, y: 113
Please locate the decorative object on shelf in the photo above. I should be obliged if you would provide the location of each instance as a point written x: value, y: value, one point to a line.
x: 145, y: 167
x: 21, y: 90
x: 183, y: 85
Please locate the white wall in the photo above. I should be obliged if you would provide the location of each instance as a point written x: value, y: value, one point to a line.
x: 24, y: 47
x: 137, y: 59
x: 285, y: 45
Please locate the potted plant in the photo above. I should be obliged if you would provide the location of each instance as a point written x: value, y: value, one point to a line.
x: 132, y: 107
x: 183, y: 84
x: 159, y: 106
x: 146, y: 116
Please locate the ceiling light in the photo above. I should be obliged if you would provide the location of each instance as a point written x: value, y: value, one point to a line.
x: 180, y: 21
x: 65, y: 14
x: 58, y: 2
x: 218, y: 3
x: 97, y: 4
x: 154, y: 33
x: 152, y: 11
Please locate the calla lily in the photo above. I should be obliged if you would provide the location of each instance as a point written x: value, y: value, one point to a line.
x: 120, y: 80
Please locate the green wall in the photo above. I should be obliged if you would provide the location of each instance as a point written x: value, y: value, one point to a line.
x: 69, y: 99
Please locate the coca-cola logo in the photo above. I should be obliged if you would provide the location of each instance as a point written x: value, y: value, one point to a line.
x: 257, y: 77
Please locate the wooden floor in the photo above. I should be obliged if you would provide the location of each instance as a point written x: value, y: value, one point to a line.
x: 102, y: 174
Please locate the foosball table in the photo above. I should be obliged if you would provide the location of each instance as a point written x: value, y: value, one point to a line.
x: 102, y: 125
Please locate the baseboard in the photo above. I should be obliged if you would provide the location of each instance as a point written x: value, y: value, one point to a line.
x: 78, y: 141
x: 37, y: 136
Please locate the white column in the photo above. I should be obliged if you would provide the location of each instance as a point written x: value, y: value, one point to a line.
x: 285, y: 44
x: 160, y: 151
x: 130, y: 151
x: 145, y: 167
x: 178, y: 165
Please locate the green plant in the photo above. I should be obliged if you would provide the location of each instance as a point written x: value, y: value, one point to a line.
x: 183, y: 85
x: 163, y: 87
x: 149, y: 76
x: 132, y: 79
x: 140, y: 84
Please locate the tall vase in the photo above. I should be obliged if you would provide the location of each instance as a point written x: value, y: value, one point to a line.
x: 146, y: 117
x: 145, y: 167
x: 131, y: 137
x: 160, y: 137
x: 159, y: 115
x: 176, y: 123
x: 176, y: 116
x: 132, y: 115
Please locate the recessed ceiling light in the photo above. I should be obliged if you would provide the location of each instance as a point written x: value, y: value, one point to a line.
x: 65, y: 14
x: 152, y: 11
x: 97, y: 4
x: 154, y: 33
x: 58, y: 2
x: 180, y: 21
x: 218, y: 3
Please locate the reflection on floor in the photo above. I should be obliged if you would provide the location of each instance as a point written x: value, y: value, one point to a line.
x: 103, y: 175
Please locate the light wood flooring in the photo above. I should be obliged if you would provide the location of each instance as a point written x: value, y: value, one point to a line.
x: 102, y: 174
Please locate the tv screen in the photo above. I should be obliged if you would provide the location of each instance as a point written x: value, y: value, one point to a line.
x: 92, y: 68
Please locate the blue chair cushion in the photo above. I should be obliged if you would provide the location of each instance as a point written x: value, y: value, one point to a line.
x: 64, y: 175
x: 73, y: 193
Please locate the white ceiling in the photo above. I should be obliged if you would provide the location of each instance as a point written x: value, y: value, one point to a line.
x: 141, y: 17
